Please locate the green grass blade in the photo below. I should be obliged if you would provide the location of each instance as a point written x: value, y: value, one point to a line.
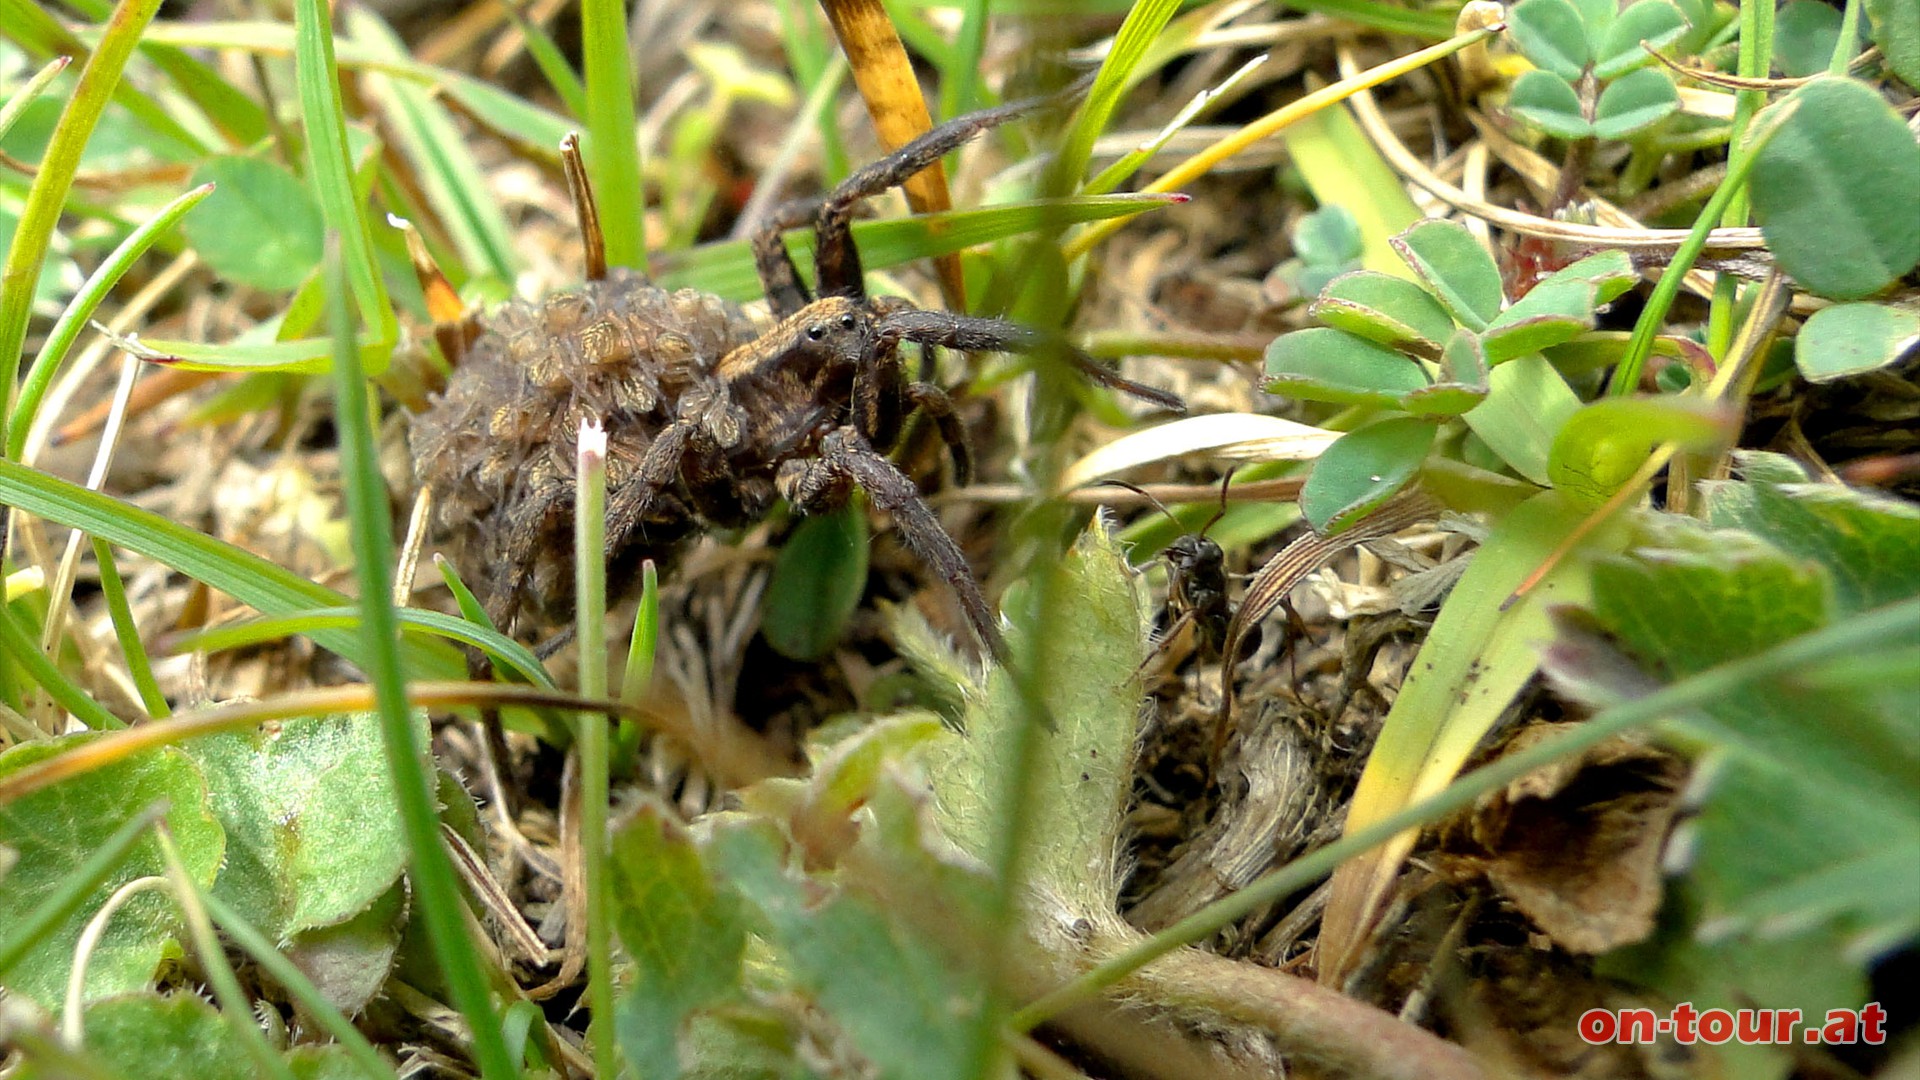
x: 128, y: 632
x: 254, y: 632
x: 638, y: 675
x: 241, y: 574
x: 552, y: 63
x: 612, y: 147
x: 1130, y: 45
x: 1433, y: 25
x: 48, y: 195
x: 436, y: 889
x: 590, y: 619
x: 727, y: 268
x: 34, y: 28
x: 328, y: 166
x: 426, y: 135
x: 325, y: 1016
x: 27, y: 93
x: 238, y: 116
x: 81, y: 308
x: 15, y: 643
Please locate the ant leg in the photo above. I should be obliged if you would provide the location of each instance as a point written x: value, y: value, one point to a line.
x: 972, y: 334
x: 844, y: 458
x: 934, y: 402
x: 836, y: 261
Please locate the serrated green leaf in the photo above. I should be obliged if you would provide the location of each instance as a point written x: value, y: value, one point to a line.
x: 1552, y: 35
x: 1363, y: 469
x: 1849, y: 339
x: 1322, y: 364
x: 181, y: 1037
x: 308, y: 806
x: 1826, y: 218
x: 1382, y: 308
x: 52, y: 830
x: 1090, y: 693
x: 904, y: 1005
x: 686, y: 934
x: 1456, y: 268
x: 1865, y: 540
x: 817, y: 581
x: 1655, y: 23
x: 1634, y: 101
x: 349, y: 962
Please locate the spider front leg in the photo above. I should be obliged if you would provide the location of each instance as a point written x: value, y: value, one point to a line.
x: 846, y: 461
x: 837, y: 270
x: 971, y: 334
x: 935, y: 403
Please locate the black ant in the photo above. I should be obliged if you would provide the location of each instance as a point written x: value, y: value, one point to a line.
x: 1197, y: 582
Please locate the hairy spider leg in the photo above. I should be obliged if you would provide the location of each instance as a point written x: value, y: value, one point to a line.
x: 973, y: 334
x: 836, y: 260
x: 846, y: 460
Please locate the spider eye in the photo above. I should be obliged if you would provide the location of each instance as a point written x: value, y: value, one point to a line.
x: 816, y: 331
x: 846, y: 322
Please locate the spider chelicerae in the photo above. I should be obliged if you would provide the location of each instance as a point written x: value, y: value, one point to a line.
x: 710, y: 414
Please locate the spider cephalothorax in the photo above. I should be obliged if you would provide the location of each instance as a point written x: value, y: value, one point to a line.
x: 710, y: 415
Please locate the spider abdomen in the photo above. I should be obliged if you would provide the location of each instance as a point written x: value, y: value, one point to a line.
x: 496, y: 447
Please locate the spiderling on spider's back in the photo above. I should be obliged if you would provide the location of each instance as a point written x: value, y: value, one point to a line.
x: 710, y: 415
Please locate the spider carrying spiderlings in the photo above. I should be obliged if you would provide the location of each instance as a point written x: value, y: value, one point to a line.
x: 711, y: 416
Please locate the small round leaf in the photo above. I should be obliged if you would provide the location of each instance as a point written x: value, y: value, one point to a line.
x: 1546, y: 101
x: 1551, y: 34
x: 1804, y: 34
x: 1364, y: 469
x: 1326, y: 365
x: 1826, y: 188
x: 1380, y: 307
x: 1634, y: 101
x: 1456, y: 268
x: 1655, y: 22
x: 1848, y: 339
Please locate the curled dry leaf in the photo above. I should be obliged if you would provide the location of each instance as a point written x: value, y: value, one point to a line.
x: 1242, y: 436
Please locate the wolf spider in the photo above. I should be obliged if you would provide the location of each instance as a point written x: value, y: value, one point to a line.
x: 709, y: 416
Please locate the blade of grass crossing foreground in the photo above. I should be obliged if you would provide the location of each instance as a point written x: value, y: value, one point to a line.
x: 300, y: 988
x: 81, y: 308
x: 590, y: 592
x: 1130, y: 46
x: 23, y: 97
x: 48, y: 195
x: 128, y: 632
x: 76, y: 887
x: 436, y: 889
x: 613, y: 152
x: 25, y: 652
x: 328, y: 168
x: 235, y: 1003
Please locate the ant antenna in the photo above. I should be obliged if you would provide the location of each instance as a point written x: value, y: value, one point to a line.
x: 1222, y: 512
x: 1147, y: 495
